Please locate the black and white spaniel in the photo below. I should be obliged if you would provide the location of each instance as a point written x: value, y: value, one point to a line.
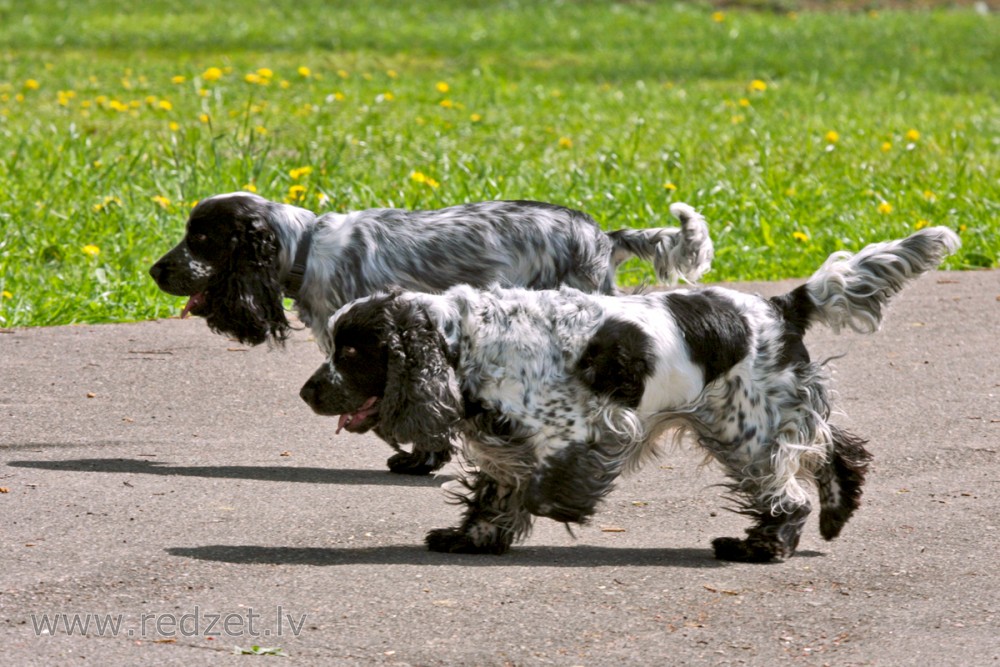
x: 553, y: 394
x: 242, y: 254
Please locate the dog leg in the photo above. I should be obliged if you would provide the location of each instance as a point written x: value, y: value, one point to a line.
x: 417, y: 462
x: 495, y: 517
x: 840, y: 480
x: 774, y: 537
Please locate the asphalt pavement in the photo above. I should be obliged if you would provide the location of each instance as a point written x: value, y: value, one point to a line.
x: 167, y: 487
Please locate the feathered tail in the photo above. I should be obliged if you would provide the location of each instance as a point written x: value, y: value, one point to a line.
x: 683, y: 253
x: 853, y: 290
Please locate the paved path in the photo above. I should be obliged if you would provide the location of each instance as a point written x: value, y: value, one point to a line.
x: 164, y: 474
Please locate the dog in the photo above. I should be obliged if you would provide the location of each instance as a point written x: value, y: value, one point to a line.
x: 241, y: 254
x: 554, y: 394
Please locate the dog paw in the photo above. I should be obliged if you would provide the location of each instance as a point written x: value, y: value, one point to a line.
x: 743, y: 551
x: 456, y: 541
x: 417, y: 463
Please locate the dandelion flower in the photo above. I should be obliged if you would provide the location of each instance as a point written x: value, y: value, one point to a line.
x: 162, y: 201
x: 32, y: 84
x: 442, y: 87
x: 261, y: 130
x: 203, y: 118
x: 180, y: 78
x: 475, y: 118
x: 669, y: 186
x: 298, y: 173
x: 164, y: 105
x: 304, y: 71
x: 744, y: 102
x: 831, y: 137
x: 250, y: 187
x: 886, y: 146
x: 387, y: 96
x: 5, y: 294
x: 418, y: 176
x: 174, y: 126
x: 343, y: 74
x: 929, y: 196
x: 212, y: 74
x: 446, y: 103
x: 718, y: 17
x: 757, y: 86
x: 912, y: 135
x: 800, y: 236
x: 296, y: 193
x: 391, y: 73
x: 885, y: 208
x: 921, y: 224
x: 265, y: 73
x: 565, y: 142
x: 91, y: 250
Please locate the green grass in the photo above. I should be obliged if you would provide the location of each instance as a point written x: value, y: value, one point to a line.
x: 590, y: 104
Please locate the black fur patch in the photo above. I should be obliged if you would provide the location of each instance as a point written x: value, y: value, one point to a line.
x: 617, y: 362
x: 796, y: 309
x: 716, y: 334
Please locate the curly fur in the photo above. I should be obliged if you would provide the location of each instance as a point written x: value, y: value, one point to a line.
x: 239, y: 259
x: 554, y: 394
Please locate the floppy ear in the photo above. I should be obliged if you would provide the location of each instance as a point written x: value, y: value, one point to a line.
x: 422, y: 402
x: 244, y: 297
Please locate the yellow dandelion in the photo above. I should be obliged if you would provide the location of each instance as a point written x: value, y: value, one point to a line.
x: 921, y: 224
x: 91, y: 250
x: 5, y: 294
x: 929, y: 196
x: 757, y: 86
x: 391, y: 73
x: 744, y: 102
x: 338, y: 97
x: 203, y: 92
x: 669, y: 186
x: 285, y: 85
x: 737, y: 119
x: 32, y: 84
x: 388, y: 97
x: 253, y: 78
x: 265, y: 72
x: 343, y: 74
x: 432, y: 183
x: 250, y: 187
x: 180, y: 78
x: 475, y: 118
x: 886, y: 146
x: 912, y: 135
x: 418, y: 177
x: 299, y: 172
x: 885, y: 208
x: 718, y: 17
x: 790, y: 192
x: 446, y: 103
x: 174, y: 126
x: 565, y: 142
x: 304, y: 71
x: 800, y: 236
x: 203, y: 118
x: 296, y: 192
x: 261, y: 130
x: 212, y: 74
x: 831, y: 137
x: 161, y: 200
x: 164, y: 105
x: 442, y: 87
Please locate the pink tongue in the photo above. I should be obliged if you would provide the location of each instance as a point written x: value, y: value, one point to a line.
x: 195, y: 301
x: 360, y: 414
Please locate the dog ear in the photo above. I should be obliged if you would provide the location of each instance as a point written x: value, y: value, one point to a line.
x: 244, y: 297
x: 422, y: 402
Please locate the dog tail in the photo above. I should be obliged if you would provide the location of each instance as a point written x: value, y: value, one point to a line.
x: 683, y: 253
x: 853, y: 290
x: 839, y: 481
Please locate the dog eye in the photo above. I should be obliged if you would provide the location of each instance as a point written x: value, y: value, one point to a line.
x: 199, y: 238
x: 348, y: 351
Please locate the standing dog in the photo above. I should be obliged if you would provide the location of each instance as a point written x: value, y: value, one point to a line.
x: 242, y: 254
x: 555, y: 393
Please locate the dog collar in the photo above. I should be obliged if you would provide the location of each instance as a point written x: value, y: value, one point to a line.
x: 293, y: 282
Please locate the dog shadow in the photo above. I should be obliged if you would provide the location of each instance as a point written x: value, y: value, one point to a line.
x: 525, y: 556
x: 305, y: 474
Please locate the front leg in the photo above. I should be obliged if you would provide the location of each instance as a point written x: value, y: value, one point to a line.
x: 418, y: 462
x: 495, y: 517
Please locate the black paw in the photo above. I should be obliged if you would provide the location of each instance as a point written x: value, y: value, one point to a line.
x: 417, y: 463
x: 456, y: 541
x: 744, y: 551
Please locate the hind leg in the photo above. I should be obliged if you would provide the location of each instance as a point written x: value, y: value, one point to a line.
x: 840, y: 481
x: 774, y: 536
x: 495, y: 517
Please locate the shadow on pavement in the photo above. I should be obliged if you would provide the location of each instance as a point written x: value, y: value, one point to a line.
x: 261, y: 473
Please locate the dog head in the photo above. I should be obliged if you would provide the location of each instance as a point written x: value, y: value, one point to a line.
x: 388, y: 371
x: 228, y: 265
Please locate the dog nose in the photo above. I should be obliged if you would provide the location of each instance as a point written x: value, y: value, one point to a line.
x: 156, y: 271
x: 308, y: 391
